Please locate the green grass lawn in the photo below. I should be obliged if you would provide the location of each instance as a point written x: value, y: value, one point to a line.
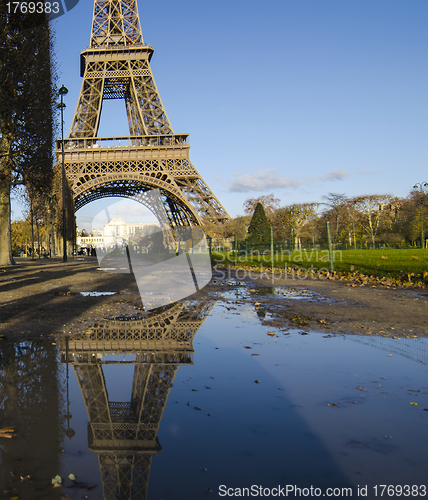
x: 395, y: 263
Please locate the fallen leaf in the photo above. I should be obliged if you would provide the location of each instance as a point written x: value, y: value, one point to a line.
x: 332, y: 404
x: 247, y: 347
x: 272, y: 334
x: 389, y: 355
x: 255, y: 354
x: 72, y: 477
x: 415, y: 404
x: 57, y: 479
x: 197, y: 408
x: 8, y: 432
x: 257, y: 381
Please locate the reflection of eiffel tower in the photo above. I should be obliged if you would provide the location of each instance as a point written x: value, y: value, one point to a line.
x: 124, y: 434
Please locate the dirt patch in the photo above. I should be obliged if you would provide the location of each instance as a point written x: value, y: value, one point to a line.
x: 43, y: 297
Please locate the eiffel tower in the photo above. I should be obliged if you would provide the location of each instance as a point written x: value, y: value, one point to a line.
x: 124, y: 434
x: 117, y: 66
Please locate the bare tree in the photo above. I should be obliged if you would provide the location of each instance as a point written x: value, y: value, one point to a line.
x: 301, y: 219
x: 373, y: 209
x: 269, y: 202
x: 337, y: 213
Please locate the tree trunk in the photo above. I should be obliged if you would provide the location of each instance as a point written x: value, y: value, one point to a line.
x: 32, y: 230
x: 6, y: 258
x: 38, y: 238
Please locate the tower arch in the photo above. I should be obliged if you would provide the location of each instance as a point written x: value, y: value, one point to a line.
x: 117, y: 66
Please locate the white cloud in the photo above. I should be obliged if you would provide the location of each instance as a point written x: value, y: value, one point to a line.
x: 337, y: 175
x: 266, y: 180
x: 334, y: 175
x: 263, y: 180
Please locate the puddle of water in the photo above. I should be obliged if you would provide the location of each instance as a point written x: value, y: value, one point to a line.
x: 113, y: 269
x: 192, y: 399
x: 96, y: 294
x: 291, y: 293
x: 277, y: 292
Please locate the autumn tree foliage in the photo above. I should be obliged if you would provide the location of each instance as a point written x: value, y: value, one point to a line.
x: 26, y: 111
x: 337, y: 213
x: 366, y: 221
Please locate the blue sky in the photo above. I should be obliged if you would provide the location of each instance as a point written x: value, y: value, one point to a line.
x: 298, y: 98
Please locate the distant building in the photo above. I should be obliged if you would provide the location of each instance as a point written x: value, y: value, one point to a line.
x: 116, y: 232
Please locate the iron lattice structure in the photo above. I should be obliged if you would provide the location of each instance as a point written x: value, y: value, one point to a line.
x: 124, y: 434
x: 117, y: 66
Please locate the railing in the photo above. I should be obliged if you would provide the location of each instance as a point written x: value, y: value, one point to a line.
x: 140, y: 141
x: 137, y: 45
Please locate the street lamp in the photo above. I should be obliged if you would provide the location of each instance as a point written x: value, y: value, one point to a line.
x: 62, y: 92
x: 421, y: 185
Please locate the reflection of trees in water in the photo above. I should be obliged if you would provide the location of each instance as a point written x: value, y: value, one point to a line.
x: 29, y: 397
x: 414, y: 349
x: 124, y: 434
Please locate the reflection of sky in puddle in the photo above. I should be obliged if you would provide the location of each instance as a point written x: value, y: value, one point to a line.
x: 285, y: 420
x: 96, y: 294
x: 281, y: 430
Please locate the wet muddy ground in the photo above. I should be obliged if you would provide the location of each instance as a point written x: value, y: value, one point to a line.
x: 333, y: 305
x: 248, y: 384
x: 45, y: 297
